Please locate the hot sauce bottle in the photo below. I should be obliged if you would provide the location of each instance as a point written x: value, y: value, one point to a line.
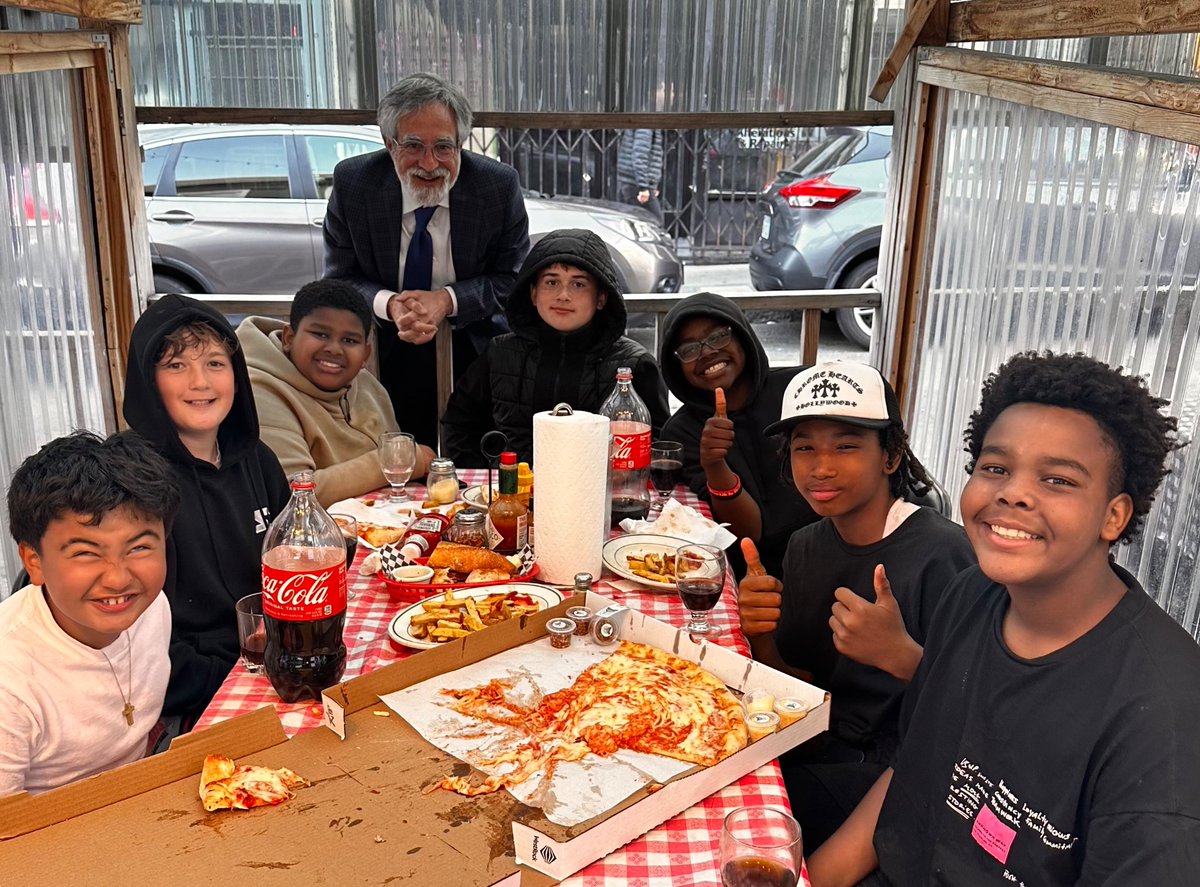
x: 509, y: 515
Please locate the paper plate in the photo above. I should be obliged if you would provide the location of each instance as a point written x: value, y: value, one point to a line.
x: 399, y: 631
x: 616, y: 550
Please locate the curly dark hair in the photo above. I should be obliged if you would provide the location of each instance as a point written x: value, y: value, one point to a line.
x: 1140, y: 435
x: 329, y: 293
x: 89, y: 475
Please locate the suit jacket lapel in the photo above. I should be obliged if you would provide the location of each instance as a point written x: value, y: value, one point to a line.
x: 385, y: 211
x: 465, y: 226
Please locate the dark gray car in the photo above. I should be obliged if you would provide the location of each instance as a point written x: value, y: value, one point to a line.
x: 822, y: 219
x: 239, y: 209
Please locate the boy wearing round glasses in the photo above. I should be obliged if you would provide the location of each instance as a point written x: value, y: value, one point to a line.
x: 727, y: 460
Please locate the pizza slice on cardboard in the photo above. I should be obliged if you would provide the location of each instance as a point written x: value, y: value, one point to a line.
x: 226, y: 786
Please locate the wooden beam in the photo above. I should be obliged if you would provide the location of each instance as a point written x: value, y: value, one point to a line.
x: 1166, y: 124
x: 974, y: 20
x: 919, y: 12
x: 1158, y: 90
x: 527, y: 120
x: 127, y: 12
x: 46, y: 61
x: 34, y: 42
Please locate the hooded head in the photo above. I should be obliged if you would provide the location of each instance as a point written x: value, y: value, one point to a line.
x: 564, y: 250
x: 144, y: 408
x: 720, y: 362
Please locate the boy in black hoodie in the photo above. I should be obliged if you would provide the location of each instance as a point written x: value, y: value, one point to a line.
x: 728, y: 460
x: 567, y: 317
x: 187, y: 391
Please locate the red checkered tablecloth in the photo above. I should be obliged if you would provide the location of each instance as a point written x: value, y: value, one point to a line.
x: 681, y: 851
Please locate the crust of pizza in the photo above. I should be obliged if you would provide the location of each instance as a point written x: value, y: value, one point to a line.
x: 638, y: 698
x: 377, y: 536
x: 225, y: 786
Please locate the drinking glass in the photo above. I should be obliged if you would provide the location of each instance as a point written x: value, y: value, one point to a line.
x: 700, y: 577
x: 398, y: 459
x: 252, y: 634
x: 666, y: 471
x: 760, y: 847
x: 349, y: 527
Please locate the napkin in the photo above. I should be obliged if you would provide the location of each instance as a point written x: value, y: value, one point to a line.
x: 683, y: 522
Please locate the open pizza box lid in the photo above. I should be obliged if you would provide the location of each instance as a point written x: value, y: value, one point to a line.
x: 364, y: 819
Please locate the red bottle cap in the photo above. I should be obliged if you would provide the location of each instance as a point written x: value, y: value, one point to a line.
x: 508, y: 458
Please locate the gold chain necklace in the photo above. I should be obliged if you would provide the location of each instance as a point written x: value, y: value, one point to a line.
x: 128, y: 710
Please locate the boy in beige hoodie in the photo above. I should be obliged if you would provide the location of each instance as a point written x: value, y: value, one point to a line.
x: 317, y: 410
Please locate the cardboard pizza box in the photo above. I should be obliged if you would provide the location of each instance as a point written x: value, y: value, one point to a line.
x: 559, y: 851
x: 365, y: 819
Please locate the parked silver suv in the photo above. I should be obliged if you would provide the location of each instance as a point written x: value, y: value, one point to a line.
x: 239, y: 209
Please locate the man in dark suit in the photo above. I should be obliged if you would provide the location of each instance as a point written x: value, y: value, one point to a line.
x: 426, y: 231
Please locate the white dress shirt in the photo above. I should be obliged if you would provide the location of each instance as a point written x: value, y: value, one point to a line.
x: 443, y: 261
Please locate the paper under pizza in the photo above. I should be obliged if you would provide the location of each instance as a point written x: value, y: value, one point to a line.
x: 639, y: 698
x: 226, y: 786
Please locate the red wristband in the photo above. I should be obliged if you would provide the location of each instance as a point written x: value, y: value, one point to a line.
x: 731, y: 493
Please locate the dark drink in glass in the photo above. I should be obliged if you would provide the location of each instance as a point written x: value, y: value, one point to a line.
x: 625, y: 507
x: 665, y: 474
x: 750, y: 871
x: 700, y: 595
x: 351, y: 548
x: 253, y: 648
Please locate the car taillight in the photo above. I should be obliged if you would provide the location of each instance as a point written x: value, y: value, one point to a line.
x: 816, y: 193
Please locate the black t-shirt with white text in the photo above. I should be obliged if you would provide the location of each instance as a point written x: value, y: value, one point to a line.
x: 1080, y: 767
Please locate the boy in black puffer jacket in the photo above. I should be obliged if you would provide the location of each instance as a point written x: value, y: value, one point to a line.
x: 567, y: 341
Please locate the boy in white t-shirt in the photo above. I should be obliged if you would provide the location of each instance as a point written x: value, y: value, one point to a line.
x: 83, y: 648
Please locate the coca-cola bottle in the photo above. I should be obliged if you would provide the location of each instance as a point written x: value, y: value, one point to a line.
x: 630, y: 449
x: 304, y: 596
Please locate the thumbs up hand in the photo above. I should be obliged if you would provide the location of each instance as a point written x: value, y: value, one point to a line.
x: 716, y: 439
x: 874, y: 633
x: 759, y: 595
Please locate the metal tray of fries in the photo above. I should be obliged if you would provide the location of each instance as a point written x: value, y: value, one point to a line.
x: 459, y: 612
x: 646, y: 558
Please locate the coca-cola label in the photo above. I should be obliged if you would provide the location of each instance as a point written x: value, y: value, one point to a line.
x: 631, y: 451
x: 304, y: 597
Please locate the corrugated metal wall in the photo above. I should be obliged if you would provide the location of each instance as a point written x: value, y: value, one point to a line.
x: 1057, y: 233
x: 517, y: 55
x: 51, y: 371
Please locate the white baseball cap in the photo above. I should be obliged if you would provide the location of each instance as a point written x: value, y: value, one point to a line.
x: 853, y: 393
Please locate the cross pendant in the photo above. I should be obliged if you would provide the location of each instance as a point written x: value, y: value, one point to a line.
x: 128, y: 712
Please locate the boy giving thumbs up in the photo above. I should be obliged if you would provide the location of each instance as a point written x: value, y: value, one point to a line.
x: 857, y: 589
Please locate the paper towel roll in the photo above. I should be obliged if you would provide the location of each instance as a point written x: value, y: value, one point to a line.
x: 570, y: 481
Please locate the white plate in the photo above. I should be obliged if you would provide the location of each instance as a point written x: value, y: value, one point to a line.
x: 615, y: 551
x: 476, y: 496
x: 399, y: 632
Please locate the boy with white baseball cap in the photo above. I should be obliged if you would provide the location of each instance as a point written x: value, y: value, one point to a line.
x: 859, y: 586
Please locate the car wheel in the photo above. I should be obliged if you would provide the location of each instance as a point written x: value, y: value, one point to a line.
x: 165, y: 283
x: 855, y: 323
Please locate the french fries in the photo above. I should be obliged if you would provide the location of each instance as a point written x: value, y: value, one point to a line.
x: 657, y: 567
x: 448, y: 617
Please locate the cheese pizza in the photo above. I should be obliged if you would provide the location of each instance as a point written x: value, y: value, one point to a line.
x: 225, y: 786
x: 639, y: 698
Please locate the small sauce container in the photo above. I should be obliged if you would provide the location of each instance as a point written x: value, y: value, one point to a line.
x: 560, y: 631
x: 761, y: 723
x: 606, y: 625
x: 414, y: 573
x: 789, y: 710
x: 582, y: 617
x: 758, y: 699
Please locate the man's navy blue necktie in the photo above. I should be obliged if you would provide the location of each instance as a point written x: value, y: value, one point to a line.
x: 418, y: 262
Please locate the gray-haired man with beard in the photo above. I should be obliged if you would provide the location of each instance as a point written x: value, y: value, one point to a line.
x: 424, y: 231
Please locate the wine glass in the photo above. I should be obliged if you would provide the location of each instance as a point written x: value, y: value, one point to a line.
x: 666, y: 471
x: 398, y: 459
x: 700, y: 577
x: 760, y: 846
x: 349, y: 527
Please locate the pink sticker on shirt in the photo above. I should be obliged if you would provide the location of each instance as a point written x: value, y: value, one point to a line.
x: 992, y: 834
